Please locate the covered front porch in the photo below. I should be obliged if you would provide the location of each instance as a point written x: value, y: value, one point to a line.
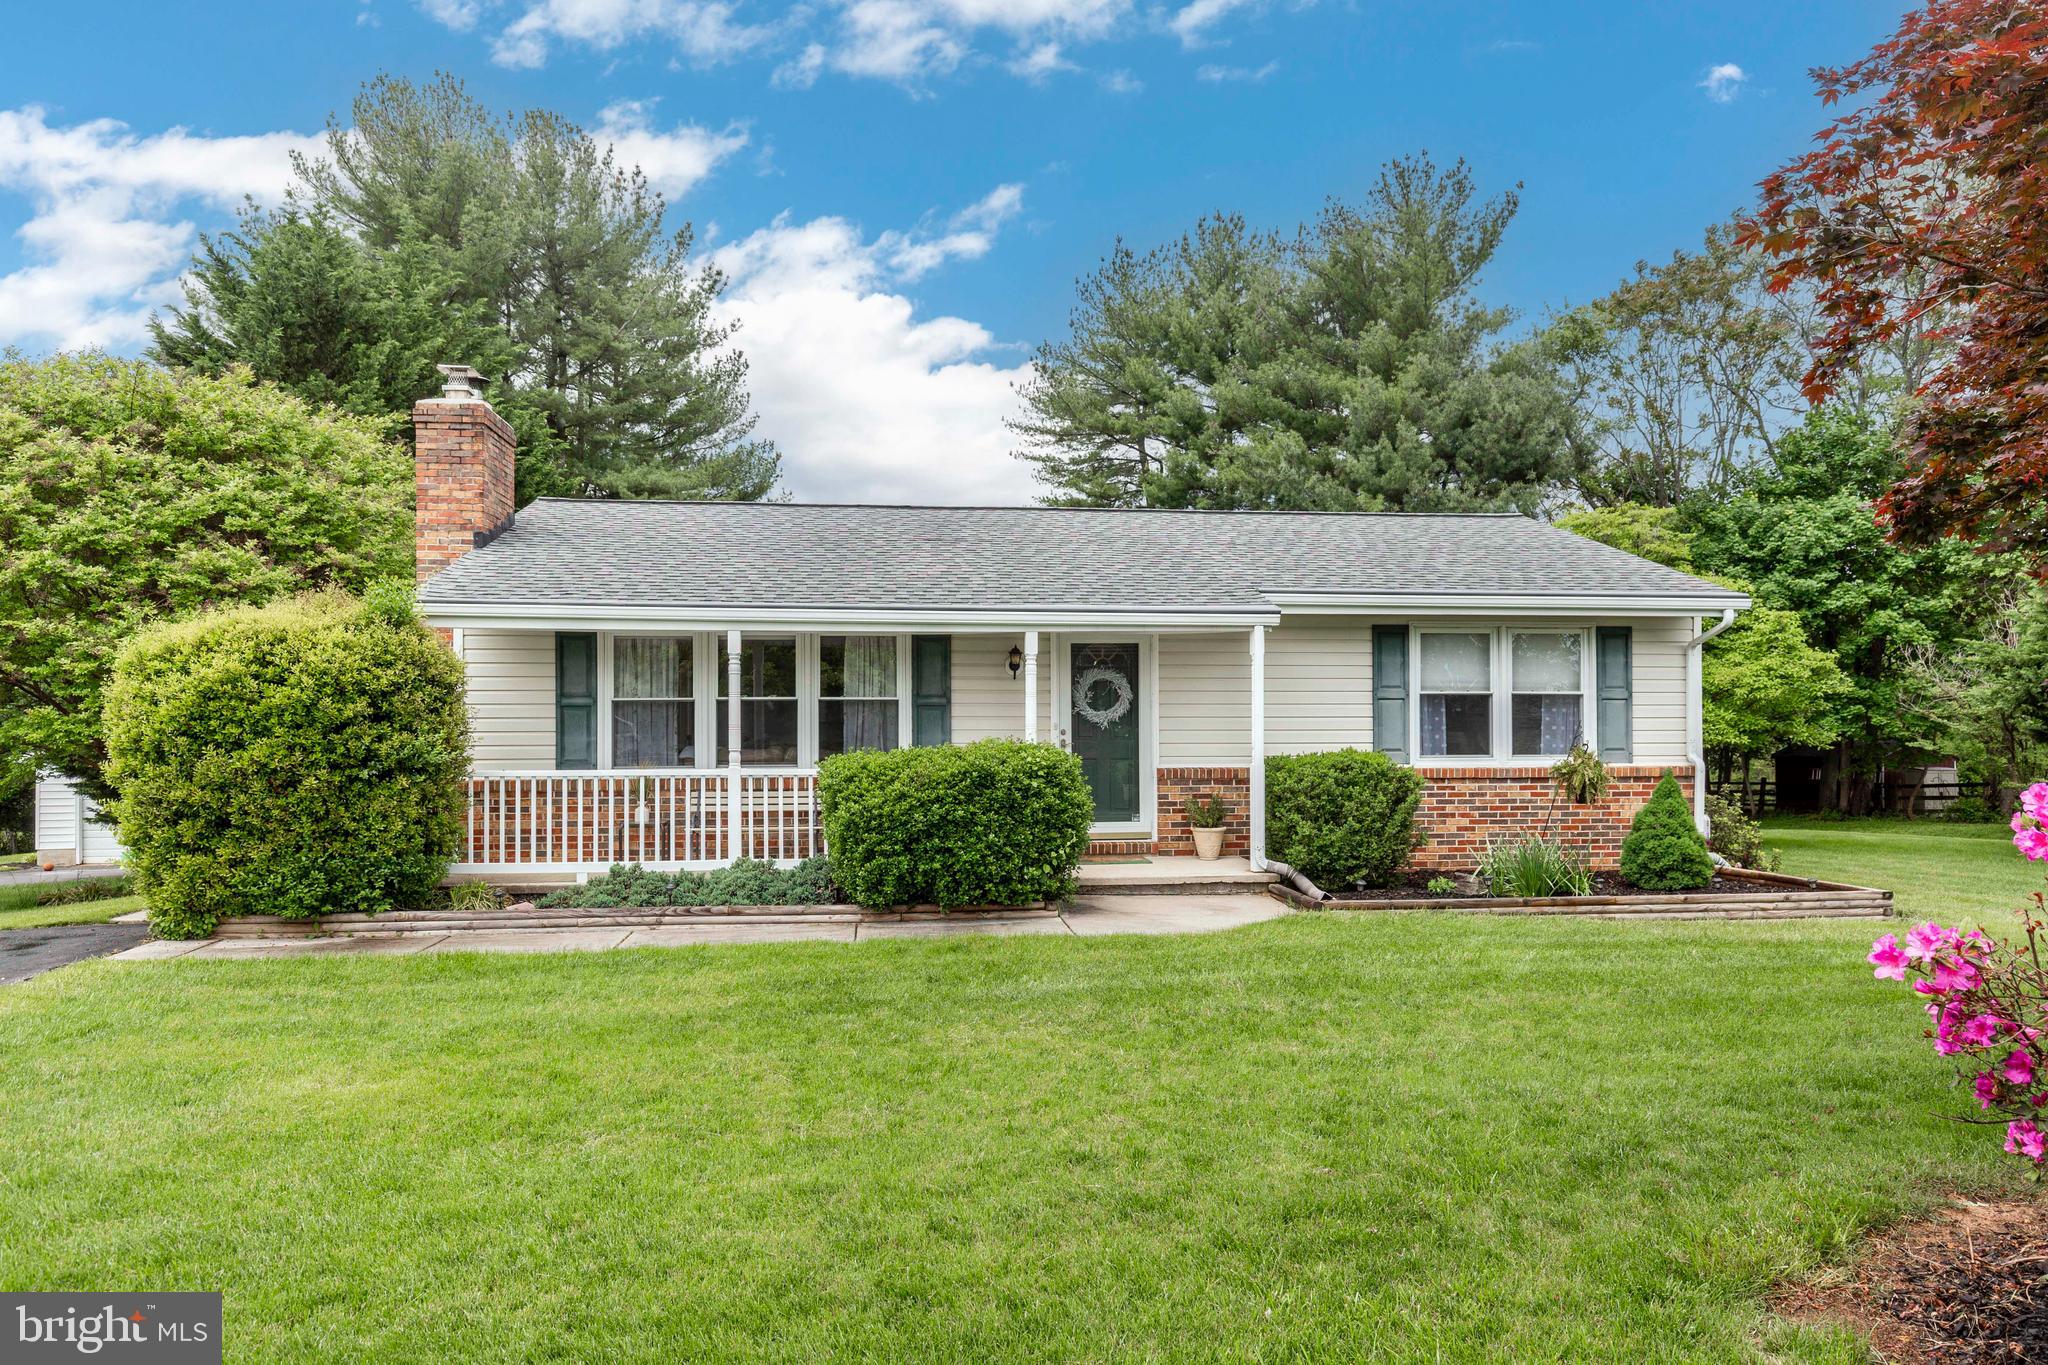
x: 617, y: 741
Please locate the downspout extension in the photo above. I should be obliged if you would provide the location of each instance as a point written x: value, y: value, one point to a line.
x: 1695, y: 706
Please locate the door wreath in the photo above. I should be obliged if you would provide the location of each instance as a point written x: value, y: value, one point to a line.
x: 1084, y: 704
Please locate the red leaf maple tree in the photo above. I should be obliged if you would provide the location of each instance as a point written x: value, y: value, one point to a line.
x: 1927, y: 201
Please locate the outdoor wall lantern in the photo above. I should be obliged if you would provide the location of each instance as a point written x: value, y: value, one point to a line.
x: 1016, y: 661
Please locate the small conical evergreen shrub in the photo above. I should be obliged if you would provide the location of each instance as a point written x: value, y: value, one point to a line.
x: 1664, y: 850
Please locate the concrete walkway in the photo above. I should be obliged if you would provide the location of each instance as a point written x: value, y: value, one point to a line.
x: 1086, y: 917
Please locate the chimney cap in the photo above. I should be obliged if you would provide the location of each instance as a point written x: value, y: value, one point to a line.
x: 461, y: 381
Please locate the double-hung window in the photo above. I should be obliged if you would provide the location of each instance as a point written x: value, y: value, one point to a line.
x: 767, y: 701
x: 857, y: 693
x: 1547, y: 673
x: 1456, y: 677
x: 654, y: 708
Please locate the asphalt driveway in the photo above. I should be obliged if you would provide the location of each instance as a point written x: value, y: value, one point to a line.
x: 29, y: 952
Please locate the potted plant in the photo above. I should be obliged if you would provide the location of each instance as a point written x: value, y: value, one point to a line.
x: 1206, y: 815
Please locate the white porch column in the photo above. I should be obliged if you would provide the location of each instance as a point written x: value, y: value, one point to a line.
x: 732, y: 704
x: 1258, y: 773
x: 1031, y: 685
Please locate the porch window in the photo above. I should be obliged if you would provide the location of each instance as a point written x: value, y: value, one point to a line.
x: 1456, y: 693
x: 654, y: 711
x: 857, y: 703
x: 1547, y: 676
x: 768, y: 704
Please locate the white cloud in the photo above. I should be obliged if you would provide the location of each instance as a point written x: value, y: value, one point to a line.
x: 1038, y: 64
x: 1121, y: 82
x: 993, y: 209
x: 673, y: 161
x: 704, y: 31
x: 906, y: 41
x: 867, y: 401
x: 1723, y: 82
x: 105, y: 240
x: 1251, y: 75
x: 1192, y: 22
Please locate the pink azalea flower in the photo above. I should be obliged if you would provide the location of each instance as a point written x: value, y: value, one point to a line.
x: 2034, y: 801
x: 1954, y: 974
x: 2019, y: 1068
x: 2022, y: 1138
x: 1925, y: 940
x: 1980, y: 1031
x: 1888, y: 959
x: 2033, y: 843
x: 1986, y: 1088
x: 1922, y: 986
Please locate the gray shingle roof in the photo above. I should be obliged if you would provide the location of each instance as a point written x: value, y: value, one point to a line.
x: 808, y: 555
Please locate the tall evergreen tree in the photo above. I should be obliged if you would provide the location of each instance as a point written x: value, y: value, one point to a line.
x: 548, y: 265
x: 1350, y: 367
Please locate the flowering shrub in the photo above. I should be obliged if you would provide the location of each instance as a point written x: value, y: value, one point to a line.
x: 1984, y: 999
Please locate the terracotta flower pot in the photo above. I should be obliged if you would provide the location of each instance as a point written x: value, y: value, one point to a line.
x: 1209, y: 844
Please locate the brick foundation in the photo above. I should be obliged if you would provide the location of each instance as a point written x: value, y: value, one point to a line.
x: 1176, y: 785
x: 1463, y: 808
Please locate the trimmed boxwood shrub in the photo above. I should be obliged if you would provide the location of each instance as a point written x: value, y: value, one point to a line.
x: 303, y: 758
x: 1342, y: 817
x: 996, y: 822
x: 1664, y: 850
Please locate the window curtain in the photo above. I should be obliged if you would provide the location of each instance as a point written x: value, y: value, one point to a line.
x: 653, y: 720
x: 1547, y: 679
x: 863, y: 714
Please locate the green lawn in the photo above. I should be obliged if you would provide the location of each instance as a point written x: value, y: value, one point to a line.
x: 22, y: 859
x: 1932, y: 868
x: 1404, y: 1137
x: 32, y: 916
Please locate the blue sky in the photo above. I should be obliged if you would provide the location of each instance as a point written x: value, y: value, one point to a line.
x: 905, y: 190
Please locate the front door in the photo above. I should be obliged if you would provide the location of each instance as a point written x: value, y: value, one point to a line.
x: 1105, y: 704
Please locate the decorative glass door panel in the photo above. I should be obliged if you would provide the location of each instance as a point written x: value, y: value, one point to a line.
x: 1106, y: 710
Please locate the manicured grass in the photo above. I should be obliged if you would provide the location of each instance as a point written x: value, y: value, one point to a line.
x: 1405, y: 1137
x: 86, y: 912
x: 22, y: 859
x: 1933, y: 869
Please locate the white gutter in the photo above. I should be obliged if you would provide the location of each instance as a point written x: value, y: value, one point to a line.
x: 1498, y: 603
x: 569, y: 616
x: 1695, y: 713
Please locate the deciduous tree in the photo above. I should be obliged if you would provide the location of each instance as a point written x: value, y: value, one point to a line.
x: 129, y: 494
x: 1928, y: 195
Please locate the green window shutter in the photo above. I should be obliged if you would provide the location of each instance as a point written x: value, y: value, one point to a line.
x: 1390, y: 691
x: 575, y: 701
x: 931, y: 689
x: 1616, y: 689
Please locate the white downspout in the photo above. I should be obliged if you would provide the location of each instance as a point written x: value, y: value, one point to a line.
x: 1695, y: 713
x: 1256, y: 788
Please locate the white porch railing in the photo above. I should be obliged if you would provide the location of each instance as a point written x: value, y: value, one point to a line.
x: 668, y: 818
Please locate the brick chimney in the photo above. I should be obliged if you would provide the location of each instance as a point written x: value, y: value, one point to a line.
x: 462, y: 472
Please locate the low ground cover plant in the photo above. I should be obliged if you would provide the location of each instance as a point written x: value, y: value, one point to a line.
x: 1664, y: 850
x: 299, y: 759
x: 1986, y: 1000
x: 1343, y: 817
x: 747, y: 882
x: 996, y: 822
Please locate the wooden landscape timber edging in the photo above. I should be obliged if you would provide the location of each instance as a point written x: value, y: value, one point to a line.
x: 529, y: 916
x: 1776, y: 896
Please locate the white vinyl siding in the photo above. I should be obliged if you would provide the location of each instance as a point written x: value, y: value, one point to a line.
x: 1318, y: 685
x: 511, y: 699
x: 62, y: 816
x: 1658, y: 664
x: 1205, y: 710
x: 987, y: 702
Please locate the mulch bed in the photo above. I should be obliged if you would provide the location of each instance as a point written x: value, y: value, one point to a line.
x: 1415, y: 886
x: 1967, y: 1287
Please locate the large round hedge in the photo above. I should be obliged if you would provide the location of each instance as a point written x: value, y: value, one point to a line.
x: 1664, y: 850
x: 997, y: 822
x: 1342, y: 816
x: 303, y: 758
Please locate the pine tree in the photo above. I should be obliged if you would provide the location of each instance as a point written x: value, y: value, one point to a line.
x: 1349, y: 368
x: 551, y: 268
